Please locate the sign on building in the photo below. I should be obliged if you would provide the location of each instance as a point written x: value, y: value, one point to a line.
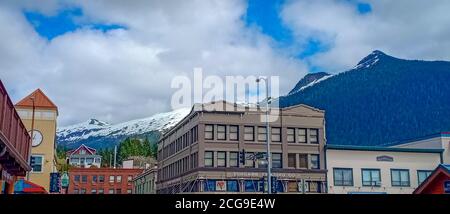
x: 54, y: 182
x: 65, y: 180
x: 447, y: 187
x: 221, y: 186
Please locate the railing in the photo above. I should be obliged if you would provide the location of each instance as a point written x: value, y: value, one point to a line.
x: 11, y: 126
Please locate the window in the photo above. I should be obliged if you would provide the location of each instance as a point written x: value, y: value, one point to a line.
x: 210, y: 185
x: 301, y: 135
x: 232, y: 186
x: 221, y: 159
x: 371, y: 177
x: 83, y: 191
x: 74, y: 160
x: 315, y: 163
x: 303, y: 161
x: 119, y: 179
x: 111, y: 179
x: 93, y: 191
x: 100, y: 191
x: 221, y: 132
x: 83, y: 178
x: 249, y: 133
x: 77, y: 178
x: 234, y: 133
x: 234, y: 159
x: 251, y: 186
x: 101, y: 178
x: 249, y: 160
x: 130, y: 178
x: 400, y: 177
x: 276, y: 134
x: 209, y: 159
x: 262, y: 134
x: 209, y: 132
x: 314, y: 136
x: 94, y: 179
x: 82, y: 152
x: 36, y: 163
x: 89, y: 160
x: 292, y: 160
x: 343, y: 177
x: 111, y: 191
x: 276, y: 160
x: 76, y: 191
x: 422, y: 175
x: 290, y: 135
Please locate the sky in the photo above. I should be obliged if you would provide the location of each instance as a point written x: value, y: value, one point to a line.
x: 114, y: 60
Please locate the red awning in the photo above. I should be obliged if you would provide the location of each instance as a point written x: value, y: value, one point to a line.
x: 27, y: 187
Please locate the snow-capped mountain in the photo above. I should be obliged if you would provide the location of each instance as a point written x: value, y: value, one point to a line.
x: 100, y: 134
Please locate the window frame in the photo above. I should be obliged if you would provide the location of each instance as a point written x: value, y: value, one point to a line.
x: 224, y: 132
x: 253, y: 133
x: 303, y: 135
x: 237, y: 133
x: 278, y: 134
x: 41, y: 163
x: 288, y: 135
x: 295, y: 160
x: 212, y: 159
x: 224, y: 159
x: 306, y: 161
x: 343, y: 180
x: 316, y: 136
x: 264, y: 134
x: 429, y: 172
x: 371, y: 178
x: 279, y: 160
x: 400, y: 185
x: 318, y: 161
x: 212, y: 132
x: 237, y: 159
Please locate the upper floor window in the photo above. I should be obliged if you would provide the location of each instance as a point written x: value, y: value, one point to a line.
x: 277, y: 160
x: 234, y: 159
x: 400, y: 177
x: 276, y: 134
x: 119, y: 179
x: 249, y: 133
x: 84, y: 178
x: 422, y: 175
x: 262, y: 134
x: 37, y: 162
x: 209, y: 132
x: 94, y: 178
x: 290, y: 135
x: 371, y: 177
x: 343, y: 177
x: 221, y: 159
x: 234, y: 132
x: 101, y: 178
x: 77, y: 178
x: 315, y: 162
x: 303, y: 161
x: 111, y: 179
x: 314, y: 136
x: 301, y: 135
x: 249, y: 160
x: 292, y: 159
x: 209, y: 159
x: 130, y: 178
x: 221, y: 132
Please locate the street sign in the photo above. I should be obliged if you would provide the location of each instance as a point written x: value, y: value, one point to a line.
x: 65, y: 180
x: 447, y: 186
x: 54, y: 182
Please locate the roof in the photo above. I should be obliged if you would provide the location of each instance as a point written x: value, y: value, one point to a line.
x: 91, y: 150
x: 40, y: 101
x: 410, y: 140
x: 442, y: 168
x: 380, y: 148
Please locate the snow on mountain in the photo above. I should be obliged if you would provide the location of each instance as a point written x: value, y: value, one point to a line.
x: 95, y: 129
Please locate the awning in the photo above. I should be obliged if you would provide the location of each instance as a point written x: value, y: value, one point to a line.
x: 27, y: 187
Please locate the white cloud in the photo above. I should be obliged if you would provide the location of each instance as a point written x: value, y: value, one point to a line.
x: 125, y: 73
x: 404, y: 28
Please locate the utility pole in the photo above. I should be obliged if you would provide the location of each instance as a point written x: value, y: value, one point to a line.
x: 268, y: 155
x: 115, y: 154
x: 32, y: 136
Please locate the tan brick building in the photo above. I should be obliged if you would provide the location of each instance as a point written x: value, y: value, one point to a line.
x: 202, y: 152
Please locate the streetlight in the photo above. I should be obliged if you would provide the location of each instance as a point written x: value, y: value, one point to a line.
x: 268, y: 155
x: 32, y: 135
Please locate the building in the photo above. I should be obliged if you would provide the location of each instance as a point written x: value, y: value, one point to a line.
x: 14, y: 145
x: 84, y: 157
x: 145, y: 183
x: 437, y: 183
x: 367, y: 169
x: 43, y: 123
x: 202, y: 152
x: 101, y: 180
x: 435, y: 141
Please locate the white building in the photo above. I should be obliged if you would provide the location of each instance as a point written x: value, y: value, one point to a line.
x: 84, y: 157
x: 389, y: 170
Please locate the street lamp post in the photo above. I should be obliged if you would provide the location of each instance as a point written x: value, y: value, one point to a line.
x: 32, y: 135
x: 268, y: 155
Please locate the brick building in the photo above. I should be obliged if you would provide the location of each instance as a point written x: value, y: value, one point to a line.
x: 101, y: 180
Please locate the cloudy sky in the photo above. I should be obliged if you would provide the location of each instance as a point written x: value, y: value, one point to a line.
x: 114, y: 60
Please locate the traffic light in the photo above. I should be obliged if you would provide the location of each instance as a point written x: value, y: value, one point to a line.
x: 242, y: 157
x: 32, y: 161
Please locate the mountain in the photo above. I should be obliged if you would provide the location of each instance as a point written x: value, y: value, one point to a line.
x: 309, y: 80
x: 382, y: 99
x: 98, y: 134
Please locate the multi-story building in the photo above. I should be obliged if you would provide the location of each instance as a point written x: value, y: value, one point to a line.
x: 84, y: 157
x: 144, y: 183
x: 15, y: 143
x: 370, y: 170
x: 202, y: 152
x: 39, y: 113
x: 101, y: 180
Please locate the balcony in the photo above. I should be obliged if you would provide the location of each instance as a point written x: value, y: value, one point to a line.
x: 14, y: 138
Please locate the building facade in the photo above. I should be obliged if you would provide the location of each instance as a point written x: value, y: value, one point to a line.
x: 43, y: 123
x: 378, y: 170
x: 145, y: 183
x: 84, y: 157
x: 15, y: 143
x: 101, y: 180
x: 213, y: 150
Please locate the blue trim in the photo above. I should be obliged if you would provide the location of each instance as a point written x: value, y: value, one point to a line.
x: 380, y: 148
